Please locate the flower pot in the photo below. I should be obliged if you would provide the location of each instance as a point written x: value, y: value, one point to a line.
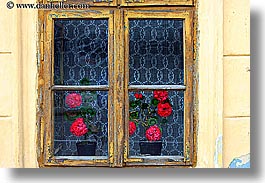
x: 150, y: 148
x: 86, y: 148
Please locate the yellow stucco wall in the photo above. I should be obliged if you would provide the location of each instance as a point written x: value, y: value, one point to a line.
x: 18, y: 89
x: 236, y: 132
x: 9, y: 89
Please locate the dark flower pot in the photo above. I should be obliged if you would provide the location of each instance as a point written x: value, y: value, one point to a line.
x: 86, y: 148
x: 150, y: 148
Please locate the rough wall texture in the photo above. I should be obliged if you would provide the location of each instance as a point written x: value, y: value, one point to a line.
x: 13, y: 129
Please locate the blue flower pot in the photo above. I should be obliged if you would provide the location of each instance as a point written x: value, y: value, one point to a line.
x: 86, y: 148
x: 148, y: 148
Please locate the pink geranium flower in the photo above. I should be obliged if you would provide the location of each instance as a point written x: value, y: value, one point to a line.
x: 132, y: 127
x: 78, y: 127
x: 160, y: 95
x: 153, y: 133
x: 164, y: 110
x: 138, y: 95
x: 73, y: 100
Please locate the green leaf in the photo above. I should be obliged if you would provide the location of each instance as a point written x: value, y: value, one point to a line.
x: 135, y: 121
x: 88, y: 97
x: 83, y: 110
x: 152, y: 121
x: 93, y: 128
x: 71, y: 115
x: 153, y: 112
x: 93, y: 92
x: 144, y: 106
x: 84, y: 81
x: 91, y: 111
x: 154, y: 102
x: 138, y: 102
x: 93, y: 95
x: 167, y: 101
x: 133, y: 104
x: 164, y: 121
x: 134, y: 114
x: 65, y: 116
x: 89, y: 133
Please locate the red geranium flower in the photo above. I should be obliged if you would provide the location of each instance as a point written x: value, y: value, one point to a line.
x: 138, y: 95
x: 132, y: 127
x: 78, y: 127
x: 153, y: 133
x: 160, y: 95
x: 164, y: 109
x: 73, y: 100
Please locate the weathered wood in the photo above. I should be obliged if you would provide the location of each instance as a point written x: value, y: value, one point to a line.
x: 80, y: 88
x: 47, y: 87
x: 118, y: 92
x: 118, y: 88
x: 89, y: 3
x: 187, y: 16
x: 111, y: 100
x: 81, y: 157
x: 155, y: 2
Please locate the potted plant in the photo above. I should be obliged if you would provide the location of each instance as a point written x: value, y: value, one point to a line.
x: 151, y: 115
x: 81, y: 114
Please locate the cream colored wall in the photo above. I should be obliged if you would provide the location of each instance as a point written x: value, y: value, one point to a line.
x: 225, y: 119
x: 210, y: 84
x: 236, y: 132
x: 9, y: 89
x: 18, y: 85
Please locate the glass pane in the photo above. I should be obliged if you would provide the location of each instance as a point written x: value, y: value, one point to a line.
x: 156, y: 52
x: 156, y: 116
x: 80, y: 50
x: 80, y: 116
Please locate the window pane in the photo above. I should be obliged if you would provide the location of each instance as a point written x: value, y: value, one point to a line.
x: 156, y: 52
x: 71, y: 110
x: 81, y: 50
x: 157, y: 116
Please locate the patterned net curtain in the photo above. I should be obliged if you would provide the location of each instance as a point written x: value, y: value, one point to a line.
x: 156, y: 58
x: 81, y: 51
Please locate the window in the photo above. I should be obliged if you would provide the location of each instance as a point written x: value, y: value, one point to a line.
x: 118, y: 78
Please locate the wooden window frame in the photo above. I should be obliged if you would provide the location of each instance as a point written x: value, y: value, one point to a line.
x: 128, y: 2
x: 49, y: 88
x: 187, y: 17
x: 155, y: 2
x: 118, y: 148
x: 88, y: 2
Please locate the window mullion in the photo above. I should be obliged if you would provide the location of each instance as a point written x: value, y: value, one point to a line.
x: 156, y: 87
x: 81, y: 88
x: 116, y: 159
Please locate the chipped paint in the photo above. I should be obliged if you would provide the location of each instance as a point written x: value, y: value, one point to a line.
x: 134, y: 1
x: 218, y: 163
